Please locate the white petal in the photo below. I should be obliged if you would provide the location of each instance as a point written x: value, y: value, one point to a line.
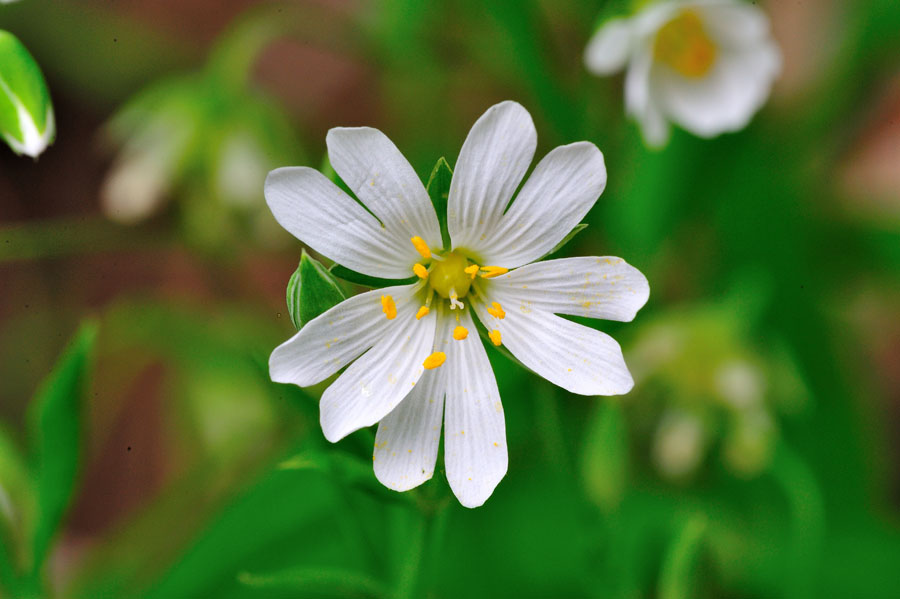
x: 373, y: 385
x: 375, y: 170
x: 318, y: 213
x: 406, y: 444
x: 608, y: 49
x: 575, y: 357
x: 474, y: 428
x: 607, y: 288
x: 641, y: 100
x: 734, y: 23
x: 728, y: 97
x: 491, y: 164
x: 335, y: 338
x: 559, y: 193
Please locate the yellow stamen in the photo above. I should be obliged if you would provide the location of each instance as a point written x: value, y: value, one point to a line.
x: 420, y: 271
x: 472, y: 270
x: 684, y: 45
x: 421, y: 246
x: 388, y: 307
x: 489, y: 272
x: 454, y: 301
x: 423, y: 311
x: 460, y: 333
x: 434, y: 360
x: 496, y: 311
x: 495, y: 337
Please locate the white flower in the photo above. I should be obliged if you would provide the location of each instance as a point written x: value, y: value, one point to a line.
x: 418, y: 356
x: 707, y: 65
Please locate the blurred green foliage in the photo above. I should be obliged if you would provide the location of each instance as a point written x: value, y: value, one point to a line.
x: 750, y: 262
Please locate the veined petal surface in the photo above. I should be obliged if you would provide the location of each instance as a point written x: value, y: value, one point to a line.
x: 318, y: 213
x: 375, y: 170
x: 335, y: 338
x: 491, y: 164
x: 376, y: 382
x: 475, y: 454
x: 604, y: 287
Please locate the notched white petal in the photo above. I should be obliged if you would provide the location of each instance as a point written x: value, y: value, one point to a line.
x: 596, y: 287
x: 335, y: 338
x: 609, y: 48
x: 375, y: 383
x: 318, y: 213
x: 475, y: 453
x: 491, y: 164
x: 376, y: 171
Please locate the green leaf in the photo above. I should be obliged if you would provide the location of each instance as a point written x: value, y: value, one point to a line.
x: 311, y: 291
x: 54, y: 420
x: 604, y: 464
x: 575, y: 231
x: 438, y: 190
x: 26, y: 114
x: 676, y: 579
x: 351, y: 276
x: 317, y: 581
x: 16, y: 508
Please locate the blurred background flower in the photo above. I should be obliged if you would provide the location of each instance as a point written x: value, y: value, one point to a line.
x: 148, y: 455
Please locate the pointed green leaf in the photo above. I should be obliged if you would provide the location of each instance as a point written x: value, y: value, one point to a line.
x: 317, y: 581
x: 439, y: 190
x: 54, y: 419
x: 575, y: 231
x: 677, y: 576
x: 26, y: 114
x: 351, y: 276
x: 311, y: 291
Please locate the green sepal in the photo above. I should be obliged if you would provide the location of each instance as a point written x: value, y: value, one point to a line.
x: 22, y: 86
x: 311, y: 291
x: 575, y: 231
x: 439, y: 190
x: 351, y: 276
x: 54, y: 420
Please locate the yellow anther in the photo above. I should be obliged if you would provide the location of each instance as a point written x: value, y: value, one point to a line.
x: 460, y: 333
x: 421, y: 246
x: 495, y: 337
x: 388, y: 306
x: 420, y: 271
x: 684, y: 45
x: 489, y: 272
x: 472, y: 270
x: 434, y: 360
x: 496, y: 311
x: 423, y: 311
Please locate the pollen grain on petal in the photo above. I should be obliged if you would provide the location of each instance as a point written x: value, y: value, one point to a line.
x: 496, y: 310
x: 460, y: 333
x: 434, y: 360
x: 388, y: 307
x: 421, y: 246
x: 495, y: 337
x: 420, y: 271
x: 423, y: 311
x: 489, y: 272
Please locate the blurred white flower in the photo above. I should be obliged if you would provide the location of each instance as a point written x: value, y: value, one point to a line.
x: 740, y: 383
x: 679, y: 443
x: 707, y: 65
x: 416, y: 345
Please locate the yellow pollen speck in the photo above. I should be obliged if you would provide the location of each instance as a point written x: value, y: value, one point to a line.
x: 495, y: 337
x: 496, y: 311
x: 496, y: 444
x: 434, y: 360
x: 493, y: 271
x: 460, y: 333
x: 471, y: 270
x: 423, y: 311
x: 421, y: 246
x: 420, y: 271
x: 684, y: 45
x: 388, y: 307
